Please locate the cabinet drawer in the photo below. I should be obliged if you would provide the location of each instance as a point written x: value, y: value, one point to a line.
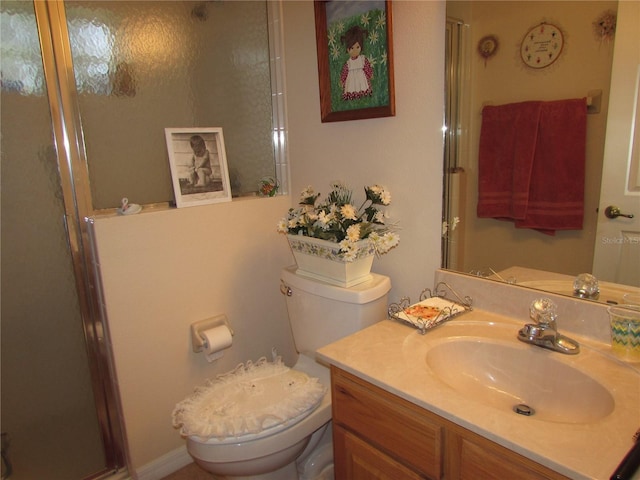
x: 388, y: 422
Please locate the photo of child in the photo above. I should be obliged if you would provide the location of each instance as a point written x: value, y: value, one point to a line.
x: 200, y: 168
x: 198, y: 162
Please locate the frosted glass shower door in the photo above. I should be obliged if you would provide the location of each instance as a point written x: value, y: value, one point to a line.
x: 49, y: 421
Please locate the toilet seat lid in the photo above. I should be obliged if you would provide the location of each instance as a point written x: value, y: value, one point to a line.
x: 252, y: 398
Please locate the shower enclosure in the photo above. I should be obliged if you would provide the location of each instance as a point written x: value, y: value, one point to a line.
x: 455, y: 77
x: 53, y: 401
x: 88, y: 87
x: 59, y: 416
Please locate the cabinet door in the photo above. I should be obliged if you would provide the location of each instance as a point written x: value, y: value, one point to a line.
x: 471, y: 457
x: 355, y: 459
x: 389, y: 423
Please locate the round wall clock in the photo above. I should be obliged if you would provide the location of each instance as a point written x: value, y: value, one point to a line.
x: 541, y: 46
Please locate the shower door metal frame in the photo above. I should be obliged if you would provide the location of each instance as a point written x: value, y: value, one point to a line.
x: 456, y: 77
x: 74, y: 177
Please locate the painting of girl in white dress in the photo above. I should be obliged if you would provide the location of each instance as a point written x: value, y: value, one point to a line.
x: 355, y: 59
x: 356, y: 74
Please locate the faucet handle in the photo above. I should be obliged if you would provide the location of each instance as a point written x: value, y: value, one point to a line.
x: 543, y: 311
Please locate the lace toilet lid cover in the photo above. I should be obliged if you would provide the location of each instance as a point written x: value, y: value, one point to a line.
x: 247, y: 400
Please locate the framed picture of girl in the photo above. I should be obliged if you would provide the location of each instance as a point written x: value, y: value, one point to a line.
x: 198, y: 165
x: 355, y: 59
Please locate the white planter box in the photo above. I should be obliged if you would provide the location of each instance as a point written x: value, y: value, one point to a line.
x: 322, y: 260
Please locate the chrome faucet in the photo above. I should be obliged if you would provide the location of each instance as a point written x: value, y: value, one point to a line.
x: 544, y: 332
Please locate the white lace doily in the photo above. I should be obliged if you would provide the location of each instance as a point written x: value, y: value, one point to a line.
x: 250, y: 399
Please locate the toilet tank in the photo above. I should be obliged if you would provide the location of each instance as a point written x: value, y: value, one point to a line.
x: 321, y: 313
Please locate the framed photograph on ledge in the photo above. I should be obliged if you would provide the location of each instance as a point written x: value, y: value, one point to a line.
x: 355, y: 59
x: 198, y: 164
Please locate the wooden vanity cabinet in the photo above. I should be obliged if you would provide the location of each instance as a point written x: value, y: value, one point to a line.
x: 378, y: 435
x: 370, y: 422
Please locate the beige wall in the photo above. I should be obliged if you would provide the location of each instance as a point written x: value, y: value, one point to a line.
x: 402, y: 152
x: 584, y: 65
x: 165, y: 270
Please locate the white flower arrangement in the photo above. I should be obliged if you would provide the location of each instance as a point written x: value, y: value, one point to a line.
x: 337, y: 220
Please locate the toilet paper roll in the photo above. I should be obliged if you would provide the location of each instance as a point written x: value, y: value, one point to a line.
x: 216, y: 339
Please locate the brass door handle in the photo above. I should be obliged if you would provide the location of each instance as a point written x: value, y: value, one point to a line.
x: 614, y: 212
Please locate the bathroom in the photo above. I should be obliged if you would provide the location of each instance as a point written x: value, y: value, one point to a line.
x: 150, y: 311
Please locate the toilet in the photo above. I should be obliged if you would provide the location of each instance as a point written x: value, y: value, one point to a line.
x: 299, y: 448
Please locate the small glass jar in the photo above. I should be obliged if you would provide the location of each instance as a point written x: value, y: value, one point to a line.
x: 625, y: 332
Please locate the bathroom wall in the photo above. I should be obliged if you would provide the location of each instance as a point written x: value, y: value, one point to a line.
x: 403, y: 152
x: 164, y: 270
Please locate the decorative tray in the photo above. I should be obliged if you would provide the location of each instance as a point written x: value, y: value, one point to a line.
x: 434, y: 308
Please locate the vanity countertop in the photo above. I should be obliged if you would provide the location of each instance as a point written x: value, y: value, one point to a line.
x: 392, y: 356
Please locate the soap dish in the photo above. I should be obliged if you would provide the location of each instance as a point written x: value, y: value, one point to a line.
x: 433, y: 309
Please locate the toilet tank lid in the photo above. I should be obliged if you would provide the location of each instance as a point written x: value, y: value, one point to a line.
x: 365, y: 292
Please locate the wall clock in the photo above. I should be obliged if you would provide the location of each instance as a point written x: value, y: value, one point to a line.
x: 541, y: 46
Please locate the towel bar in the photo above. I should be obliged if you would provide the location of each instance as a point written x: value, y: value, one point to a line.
x: 594, y: 101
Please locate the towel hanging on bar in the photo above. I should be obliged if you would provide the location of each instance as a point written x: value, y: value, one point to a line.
x: 531, y: 164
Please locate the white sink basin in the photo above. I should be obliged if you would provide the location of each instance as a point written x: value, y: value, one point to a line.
x: 503, y: 375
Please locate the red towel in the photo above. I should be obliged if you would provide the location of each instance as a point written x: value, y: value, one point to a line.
x: 556, y: 191
x: 507, y: 147
x: 531, y: 164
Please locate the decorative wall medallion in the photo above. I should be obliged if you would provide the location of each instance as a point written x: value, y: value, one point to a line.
x: 541, y: 46
x: 487, y: 47
x: 604, y: 27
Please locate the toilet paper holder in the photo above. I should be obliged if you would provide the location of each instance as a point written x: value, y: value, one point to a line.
x: 197, y: 340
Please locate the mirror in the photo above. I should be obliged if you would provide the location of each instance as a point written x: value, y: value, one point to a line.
x: 484, y: 60
x: 141, y: 67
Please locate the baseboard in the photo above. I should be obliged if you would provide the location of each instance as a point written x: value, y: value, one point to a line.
x: 164, y: 465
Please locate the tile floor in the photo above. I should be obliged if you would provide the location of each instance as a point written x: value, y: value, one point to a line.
x: 190, y: 472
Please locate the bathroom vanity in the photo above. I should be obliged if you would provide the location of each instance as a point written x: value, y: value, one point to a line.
x: 380, y: 435
x: 442, y: 404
